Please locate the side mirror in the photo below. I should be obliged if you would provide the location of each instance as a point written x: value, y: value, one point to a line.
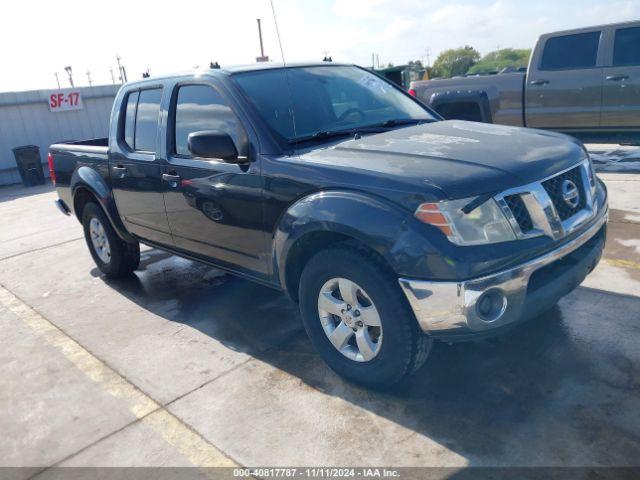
x: 214, y: 144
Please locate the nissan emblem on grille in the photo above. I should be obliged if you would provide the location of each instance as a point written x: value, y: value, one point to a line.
x: 570, y: 193
x: 553, y: 206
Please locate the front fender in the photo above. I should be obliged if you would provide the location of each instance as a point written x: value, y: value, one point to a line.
x: 89, y: 179
x: 372, y: 221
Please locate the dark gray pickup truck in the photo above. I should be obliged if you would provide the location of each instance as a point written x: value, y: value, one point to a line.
x: 389, y: 226
x: 585, y: 82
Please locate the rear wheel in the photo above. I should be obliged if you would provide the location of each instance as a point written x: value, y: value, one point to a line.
x: 113, y: 256
x: 357, y: 318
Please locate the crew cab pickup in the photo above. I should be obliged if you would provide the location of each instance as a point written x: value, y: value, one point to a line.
x: 389, y: 226
x: 585, y: 82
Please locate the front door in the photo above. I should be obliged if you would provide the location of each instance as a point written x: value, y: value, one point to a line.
x: 564, y: 89
x: 135, y: 171
x: 214, y: 208
x: 621, y: 86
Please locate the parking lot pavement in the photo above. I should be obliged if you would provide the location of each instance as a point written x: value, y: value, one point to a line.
x: 183, y: 365
x: 615, y: 158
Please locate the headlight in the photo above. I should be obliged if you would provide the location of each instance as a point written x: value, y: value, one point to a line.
x: 484, y: 224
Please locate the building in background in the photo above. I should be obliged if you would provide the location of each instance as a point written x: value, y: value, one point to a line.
x: 43, y: 117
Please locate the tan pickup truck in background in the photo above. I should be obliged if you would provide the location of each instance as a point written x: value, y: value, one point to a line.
x: 585, y: 82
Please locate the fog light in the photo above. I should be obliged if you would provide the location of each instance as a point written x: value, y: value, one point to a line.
x: 491, y: 305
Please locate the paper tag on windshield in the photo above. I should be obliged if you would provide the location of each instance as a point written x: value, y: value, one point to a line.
x: 374, y: 84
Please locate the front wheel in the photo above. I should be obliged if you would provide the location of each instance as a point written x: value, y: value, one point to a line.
x: 113, y: 256
x: 357, y: 318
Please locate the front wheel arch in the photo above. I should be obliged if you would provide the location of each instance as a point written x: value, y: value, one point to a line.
x: 308, y: 245
x: 328, y: 217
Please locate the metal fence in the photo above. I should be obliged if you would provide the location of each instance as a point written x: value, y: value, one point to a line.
x: 25, y: 119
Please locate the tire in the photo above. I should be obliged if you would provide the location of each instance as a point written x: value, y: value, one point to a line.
x: 398, y: 346
x: 113, y: 256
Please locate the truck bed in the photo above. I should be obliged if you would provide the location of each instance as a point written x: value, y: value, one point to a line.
x: 94, y: 145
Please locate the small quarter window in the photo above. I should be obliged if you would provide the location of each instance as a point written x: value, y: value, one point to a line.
x: 147, y: 116
x: 130, y: 119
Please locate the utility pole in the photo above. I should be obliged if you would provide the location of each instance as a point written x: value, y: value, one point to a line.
x: 57, y: 80
x: 378, y: 60
x: 373, y: 61
x: 428, y: 53
x: 262, y: 57
x: 89, y: 78
x: 113, y: 80
x: 69, y: 72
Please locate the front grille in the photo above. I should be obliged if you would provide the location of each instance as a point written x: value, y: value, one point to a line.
x: 520, y: 212
x: 553, y: 186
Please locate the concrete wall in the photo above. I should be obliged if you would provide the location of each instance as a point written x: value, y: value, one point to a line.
x: 25, y: 119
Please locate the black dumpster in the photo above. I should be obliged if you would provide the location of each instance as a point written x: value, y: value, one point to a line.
x: 29, y: 165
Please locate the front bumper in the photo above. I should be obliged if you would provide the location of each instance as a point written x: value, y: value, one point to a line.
x: 484, y: 306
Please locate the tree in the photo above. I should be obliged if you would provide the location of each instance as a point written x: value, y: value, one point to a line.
x: 499, y: 59
x: 455, y: 61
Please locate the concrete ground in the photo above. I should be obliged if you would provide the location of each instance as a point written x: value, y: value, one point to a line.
x: 182, y: 365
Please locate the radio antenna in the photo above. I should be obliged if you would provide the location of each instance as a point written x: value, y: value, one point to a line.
x: 275, y: 20
x: 286, y: 73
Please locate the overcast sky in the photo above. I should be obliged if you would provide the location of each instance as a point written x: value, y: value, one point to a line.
x: 40, y: 38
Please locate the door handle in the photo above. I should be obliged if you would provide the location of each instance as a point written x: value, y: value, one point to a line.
x: 617, y: 78
x: 120, y: 171
x: 538, y: 82
x: 172, y: 180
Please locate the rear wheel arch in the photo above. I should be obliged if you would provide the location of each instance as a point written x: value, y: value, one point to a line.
x: 81, y: 197
x: 84, y: 193
x: 468, y: 105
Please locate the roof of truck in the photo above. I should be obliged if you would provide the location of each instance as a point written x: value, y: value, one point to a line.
x: 630, y: 23
x: 231, y: 69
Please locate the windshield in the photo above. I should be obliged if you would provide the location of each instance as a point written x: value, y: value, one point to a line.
x: 325, y: 99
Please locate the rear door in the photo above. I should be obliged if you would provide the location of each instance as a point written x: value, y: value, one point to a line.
x: 214, y: 208
x: 135, y: 170
x: 621, y: 87
x: 564, y: 85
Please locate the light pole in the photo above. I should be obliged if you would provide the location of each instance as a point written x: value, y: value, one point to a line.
x: 89, y: 78
x: 69, y: 71
x: 121, y: 70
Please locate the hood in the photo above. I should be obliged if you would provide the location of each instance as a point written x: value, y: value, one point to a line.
x: 459, y: 158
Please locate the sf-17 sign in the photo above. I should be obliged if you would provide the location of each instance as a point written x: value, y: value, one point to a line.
x: 65, y: 100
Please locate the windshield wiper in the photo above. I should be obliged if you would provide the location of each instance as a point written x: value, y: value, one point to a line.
x: 394, y: 122
x: 323, y: 134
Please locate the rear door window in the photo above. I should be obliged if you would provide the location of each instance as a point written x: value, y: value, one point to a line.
x: 626, y: 49
x: 147, y: 115
x: 569, y: 52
